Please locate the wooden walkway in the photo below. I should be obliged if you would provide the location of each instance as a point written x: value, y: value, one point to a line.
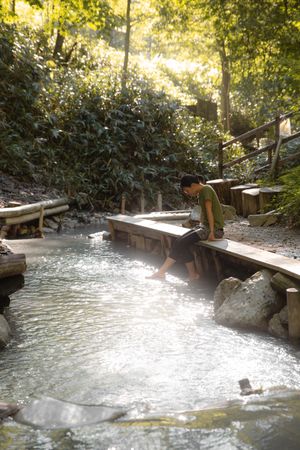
x: 155, y: 230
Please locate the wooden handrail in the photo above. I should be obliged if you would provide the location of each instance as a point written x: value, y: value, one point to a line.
x: 261, y: 150
x: 280, y: 163
x: 256, y: 130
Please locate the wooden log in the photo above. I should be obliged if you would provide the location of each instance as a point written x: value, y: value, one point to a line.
x: 11, y: 284
x: 33, y: 216
x: 41, y: 220
x: 236, y: 196
x: 10, y: 265
x: 34, y: 207
x: 293, y: 303
x: 266, y: 195
x: 222, y: 188
x: 281, y: 283
x: 250, y: 198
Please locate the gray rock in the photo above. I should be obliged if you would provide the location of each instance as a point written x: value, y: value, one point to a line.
x: 48, y: 230
x: 283, y: 315
x: 51, y: 224
x: 101, y: 235
x: 259, y: 220
x: 229, y: 212
x: 251, y: 304
x: 5, y: 332
x: 224, y: 290
x: 276, y: 328
x: 51, y: 413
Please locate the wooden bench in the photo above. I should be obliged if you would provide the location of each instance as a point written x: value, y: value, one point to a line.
x: 155, y: 230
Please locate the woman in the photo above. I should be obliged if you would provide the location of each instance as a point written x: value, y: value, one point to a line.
x: 210, y: 229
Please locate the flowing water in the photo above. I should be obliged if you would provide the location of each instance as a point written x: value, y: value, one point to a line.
x: 89, y: 328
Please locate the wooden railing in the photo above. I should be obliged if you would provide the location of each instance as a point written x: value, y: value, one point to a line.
x: 272, y: 149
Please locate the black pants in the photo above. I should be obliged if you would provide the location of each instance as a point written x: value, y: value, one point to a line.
x: 181, y: 248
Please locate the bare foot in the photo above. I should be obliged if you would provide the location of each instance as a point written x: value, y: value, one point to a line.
x: 194, y: 277
x: 156, y: 276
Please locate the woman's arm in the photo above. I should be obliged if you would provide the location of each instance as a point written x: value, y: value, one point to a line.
x: 211, y: 220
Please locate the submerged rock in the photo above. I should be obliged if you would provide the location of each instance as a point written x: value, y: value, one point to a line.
x: 51, y: 413
x: 5, y: 331
x: 276, y: 328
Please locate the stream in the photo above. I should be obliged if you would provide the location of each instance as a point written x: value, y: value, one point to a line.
x: 90, y: 328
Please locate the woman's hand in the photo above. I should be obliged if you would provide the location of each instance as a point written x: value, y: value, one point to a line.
x: 211, y: 236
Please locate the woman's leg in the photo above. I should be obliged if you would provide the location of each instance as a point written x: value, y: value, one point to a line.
x: 181, y: 252
x: 160, y: 274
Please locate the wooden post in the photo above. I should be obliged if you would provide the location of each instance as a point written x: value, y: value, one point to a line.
x: 112, y: 231
x: 276, y: 136
x: 293, y: 303
x: 142, y: 202
x: 41, y: 220
x: 123, y: 203
x: 220, y: 159
x: 159, y: 202
x: 275, y: 161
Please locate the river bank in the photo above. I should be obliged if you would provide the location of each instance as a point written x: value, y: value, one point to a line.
x: 277, y: 238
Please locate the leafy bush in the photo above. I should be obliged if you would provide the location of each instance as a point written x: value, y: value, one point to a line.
x: 290, y: 199
x: 71, y: 127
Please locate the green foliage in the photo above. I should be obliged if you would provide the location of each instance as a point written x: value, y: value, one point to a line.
x: 290, y: 199
x: 71, y: 127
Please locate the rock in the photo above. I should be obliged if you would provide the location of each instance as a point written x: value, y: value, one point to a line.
x: 5, y: 332
x: 276, y: 328
x: 101, y: 235
x: 270, y: 220
x: 259, y: 220
x: 283, y: 315
x: 224, y: 290
x: 229, y: 212
x: 49, y: 223
x: 251, y: 304
x: 53, y: 414
x: 48, y: 230
x: 8, y: 409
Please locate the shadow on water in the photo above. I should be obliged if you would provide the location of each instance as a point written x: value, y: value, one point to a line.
x: 90, y: 329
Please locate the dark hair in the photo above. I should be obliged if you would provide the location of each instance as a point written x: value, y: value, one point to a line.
x: 188, y: 180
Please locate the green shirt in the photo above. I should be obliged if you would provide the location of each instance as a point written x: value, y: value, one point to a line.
x: 208, y: 193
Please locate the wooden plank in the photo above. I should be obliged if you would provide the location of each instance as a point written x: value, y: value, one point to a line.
x: 165, y: 216
x: 238, y: 250
x: 255, y: 255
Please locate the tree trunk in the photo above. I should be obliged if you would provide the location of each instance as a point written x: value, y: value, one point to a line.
x: 58, y: 48
x: 12, y: 6
x: 225, y: 88
x: 127, y: 47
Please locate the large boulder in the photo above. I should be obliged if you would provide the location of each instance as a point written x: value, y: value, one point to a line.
x: 5, y: 332
x: 251, y: 304
x: 276, y: 327
x: 224, y: 290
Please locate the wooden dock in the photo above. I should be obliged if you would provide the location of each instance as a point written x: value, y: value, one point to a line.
x: 149, y: 235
